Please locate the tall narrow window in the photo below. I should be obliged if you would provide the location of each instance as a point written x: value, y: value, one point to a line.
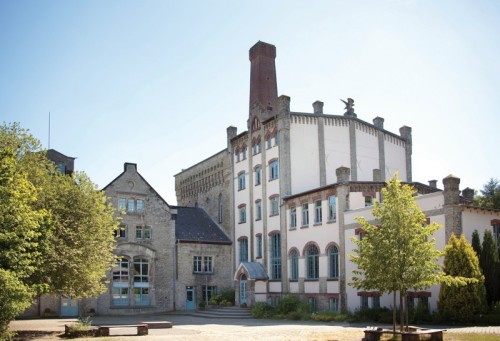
x: 258, y: 209
x: 141, y: 281
x: 275, y: 251
x: 305, y: 214
x: 273, y: 170
x: 293, y: 218
x: 294, y: 265
x: 121, y: 284
x: 243, y: 250
x: 208, y: 265
x: 318, y: 214
x: 122, y: 203
x: 364, y: 302
x: 221, y: 209
x: 312, y: 262
x: 197, y: 261
x: 333, y: 262
x: 243, y: 213
x: 332, y: 208
x: 274, y: 203
x: 258, y: 175
x: 496, y: 231
x: 241, y: 181
x: 334, y: 304
x: 130, y: 205
x: 139, y: 204
x: 259, y: 246
x: 244, y: 154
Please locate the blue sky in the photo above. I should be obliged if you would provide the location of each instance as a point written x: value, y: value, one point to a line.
x: 158, y: 82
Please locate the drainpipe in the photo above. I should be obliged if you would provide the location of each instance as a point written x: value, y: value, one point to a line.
x: 175, y: 272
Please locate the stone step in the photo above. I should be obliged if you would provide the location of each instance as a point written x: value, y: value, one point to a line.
x: 223, y: 312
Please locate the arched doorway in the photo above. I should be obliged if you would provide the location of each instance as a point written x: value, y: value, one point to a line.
x: 243, y: 289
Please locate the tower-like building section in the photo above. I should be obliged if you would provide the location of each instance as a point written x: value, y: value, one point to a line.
x: 263, y: 85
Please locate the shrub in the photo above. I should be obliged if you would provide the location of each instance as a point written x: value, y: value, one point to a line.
x: 262, y: 310
x: 330, y: 316
x: 288, y: 304
x: 81, y: 328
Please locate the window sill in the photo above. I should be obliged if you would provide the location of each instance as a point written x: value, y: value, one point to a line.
x: 331, y: 221
x: 272, y: 179
x: 332, y: 279
x: 311, y: 280
x: 304, y: 226
x: 132, y: 306
x: 318, y: 224
x: 203, y: 273
x: 258, y: 219
x: 275, y: 280
x: 241, y: 222
x: 292, y: 228
x: 274, y: 215
x: 293, y: 280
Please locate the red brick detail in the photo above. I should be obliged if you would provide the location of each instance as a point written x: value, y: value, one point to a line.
x: 495, y: 222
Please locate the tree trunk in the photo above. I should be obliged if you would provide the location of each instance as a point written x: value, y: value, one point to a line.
x: 401, y: 312
x: 394, y: 311
x: 407, y: 322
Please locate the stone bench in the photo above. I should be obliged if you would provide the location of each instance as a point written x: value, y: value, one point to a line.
x: 142, y: 329
x: 374, y: 334
x: 158, y: 324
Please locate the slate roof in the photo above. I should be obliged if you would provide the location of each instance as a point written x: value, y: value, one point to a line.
x: 194, y: 225
x: 255, y: 270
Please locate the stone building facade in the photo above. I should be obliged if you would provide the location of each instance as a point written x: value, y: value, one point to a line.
x: 299, y: 180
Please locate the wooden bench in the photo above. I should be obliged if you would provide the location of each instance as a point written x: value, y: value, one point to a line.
x: 374, y: 334
x: 142, y: 329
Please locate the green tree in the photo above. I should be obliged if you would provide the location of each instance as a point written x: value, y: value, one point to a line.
x: 490, y: 195
x: 56, y: 231
x: 400, y: 252
x: 460, y: 303
x: 489, y: 264
x: 476, y: 243
x: 20, y: 226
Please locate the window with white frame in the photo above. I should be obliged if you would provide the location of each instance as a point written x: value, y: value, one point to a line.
x: 237, y: 156
x: 333, y: 262
x: 130, y: 205
x: 273, y: 170
x: 274, y: 204
x: 258, y: 175
x: 275, y: 251
x: 318, y: 213
x: 311, y: 302
x: 139, y: 206
x: 121, y: 283
x: 141, y: 281
x: 333, y: 304
x: 256, y: 148
x: 258, y: 209
x: 293, y: 217
x: 244, y: 154
x: 197, y: 264
x: 207, y: 292
x: 294, y: 265
x: 277, y: 139
x: 305, y: 214
x: 143, y: 232
x: 332, y: 208
x: 259, y: 245
x: 243, y: 244
x: 122, y: 204
x: 242, y: 214
x: 269, y: 142
x: 312, y: 262
x: 241, y: 181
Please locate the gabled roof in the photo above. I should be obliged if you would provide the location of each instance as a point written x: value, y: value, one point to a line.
x: 253, y: 270
x: 194, y: 225
x: 134, y: 165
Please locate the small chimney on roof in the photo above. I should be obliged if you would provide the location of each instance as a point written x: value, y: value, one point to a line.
x: 433, y: 183
x: 468, y: 194
x: 318, y: 107
x: 378, y: 122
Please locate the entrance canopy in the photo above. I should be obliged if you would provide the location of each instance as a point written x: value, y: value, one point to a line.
x: 252, y: 271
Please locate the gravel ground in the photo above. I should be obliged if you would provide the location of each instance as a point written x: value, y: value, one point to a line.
x: 209, y: 329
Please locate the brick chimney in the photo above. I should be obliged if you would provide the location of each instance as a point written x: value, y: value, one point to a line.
x: 433, y: 183
x: 468, y: 193
x: 263, y: 85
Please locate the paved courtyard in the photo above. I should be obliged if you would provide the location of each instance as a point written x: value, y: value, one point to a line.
x: 197, y: 329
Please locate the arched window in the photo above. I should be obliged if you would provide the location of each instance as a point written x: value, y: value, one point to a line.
x: 333, y: 262
x: 294, y: 265
x: 275, y: 251
x: 243, y: 250
x: 141, y: 281
x: 121, y: 282
x: 312, y: 262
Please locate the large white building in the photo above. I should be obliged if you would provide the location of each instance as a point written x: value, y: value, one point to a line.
x: 297, y: 181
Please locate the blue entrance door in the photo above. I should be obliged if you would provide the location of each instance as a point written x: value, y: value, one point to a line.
x: 243, y: 290
x: 190, y: 301
x: 69, y: 306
